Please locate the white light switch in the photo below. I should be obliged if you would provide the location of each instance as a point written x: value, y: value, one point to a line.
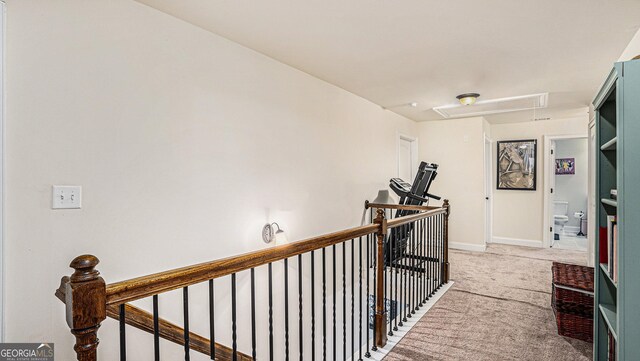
x: 67, y: 197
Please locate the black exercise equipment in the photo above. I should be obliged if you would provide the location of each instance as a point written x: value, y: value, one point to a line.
x: 416, y: 194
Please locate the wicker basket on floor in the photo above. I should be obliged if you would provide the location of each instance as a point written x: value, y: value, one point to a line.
x: 572, y: 300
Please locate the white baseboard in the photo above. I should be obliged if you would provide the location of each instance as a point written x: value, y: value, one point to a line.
x: 517, y: 242
x: 468, y: 246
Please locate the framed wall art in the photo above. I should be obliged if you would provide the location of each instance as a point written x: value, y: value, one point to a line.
x: 565, y: 166
x: 516, y: 164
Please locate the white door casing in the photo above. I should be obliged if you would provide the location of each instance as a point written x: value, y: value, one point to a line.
x: 549, y: 183
x: 488, y: 190
x: 407, y: 157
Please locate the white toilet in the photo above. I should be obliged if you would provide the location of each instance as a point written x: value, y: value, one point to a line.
x: 560, y: 217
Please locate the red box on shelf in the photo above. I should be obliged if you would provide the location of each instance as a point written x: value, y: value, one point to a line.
x: 602, y: 244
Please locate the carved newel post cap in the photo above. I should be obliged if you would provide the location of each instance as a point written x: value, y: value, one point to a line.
x: 85, y: 268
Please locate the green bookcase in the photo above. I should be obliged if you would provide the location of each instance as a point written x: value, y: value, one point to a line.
x: 617, y: 305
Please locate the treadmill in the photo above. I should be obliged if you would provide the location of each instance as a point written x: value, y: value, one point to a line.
x: 416, y: 194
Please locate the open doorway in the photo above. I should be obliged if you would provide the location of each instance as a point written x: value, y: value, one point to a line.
x: 407, y: 157
x: 566, y: 196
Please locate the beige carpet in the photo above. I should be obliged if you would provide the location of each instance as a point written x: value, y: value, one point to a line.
x: 498, y: 309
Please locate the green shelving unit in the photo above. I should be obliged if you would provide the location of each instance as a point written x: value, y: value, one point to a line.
x: 617, y: 305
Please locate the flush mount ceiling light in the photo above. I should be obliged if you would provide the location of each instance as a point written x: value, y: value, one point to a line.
x: 468, y: 98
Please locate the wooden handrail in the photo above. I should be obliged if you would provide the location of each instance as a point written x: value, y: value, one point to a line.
x: 397, y: 222
x: 143, y: 320
x: 405, y: 207
x: 145, y: 286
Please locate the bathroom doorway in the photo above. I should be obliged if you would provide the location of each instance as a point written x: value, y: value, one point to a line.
x: 566, y: 198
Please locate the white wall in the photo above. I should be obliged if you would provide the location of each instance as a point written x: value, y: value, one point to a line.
x: 518, y: 215
x: 632, y: 50
x: 456, y: 145
x: 573, y: 187
x: 185, y: 144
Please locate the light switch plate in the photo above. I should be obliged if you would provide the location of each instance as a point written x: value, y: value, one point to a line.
x: 67, y: 197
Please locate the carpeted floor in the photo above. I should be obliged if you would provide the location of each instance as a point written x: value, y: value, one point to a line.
x: 498, y: 309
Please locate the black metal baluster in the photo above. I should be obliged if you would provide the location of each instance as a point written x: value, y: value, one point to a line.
x: 324, y: 305
x: 353, y: 350
x: 368, y: 309
x: 435, y: 253
x: 270, y: 312
x: 390, y: 257
x: 427, y: 259
x: 212, y: 328
x: 399, y: 264
x: 436, y: 262
x: 416, y: 263
x: 426, y: 262
x: 185, y: 303
x: 286, y: 309
x: 416, y: 291
x: 344, y: 301
x: 441, y: 249
x: 412, y: 289
x: 335, y: 337
x: 420, y: 263
x: 234, y: 335
x: 432, y: 241
x: 409, y: 271
x: 156, y: 329
x: 374, y: 250
x: 123, y: 338
x: 431, y: 255
x: 300, y: 330
x: 395, y: 275
x: 313, y: 306
x: 253, y: 314
x: 360, y: 299
x: 384, y: 277
x: 405, y: 274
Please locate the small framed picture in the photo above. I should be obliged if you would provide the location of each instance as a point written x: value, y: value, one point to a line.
x: 517, y: 164
x: 565, y: 166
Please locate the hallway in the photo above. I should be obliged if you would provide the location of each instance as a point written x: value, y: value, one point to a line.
x: 497, y: 309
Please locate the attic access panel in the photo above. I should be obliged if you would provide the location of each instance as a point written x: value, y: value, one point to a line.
x: 494, y: 106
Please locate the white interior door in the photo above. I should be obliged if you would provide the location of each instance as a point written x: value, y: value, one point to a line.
x: 405, y: 159
x: 488, y: 189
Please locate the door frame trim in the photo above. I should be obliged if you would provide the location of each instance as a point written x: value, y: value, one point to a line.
x: 414, y: 154
x: 488, y: 176
x: 546, y: 204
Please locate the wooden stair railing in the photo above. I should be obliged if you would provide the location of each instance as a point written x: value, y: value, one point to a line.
x: 143, y: 320
x: 89, y: 300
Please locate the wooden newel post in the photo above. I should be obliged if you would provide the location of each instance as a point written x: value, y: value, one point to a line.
x: 446, y: 240
x: 381, y: 317
x: 86, y: 301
